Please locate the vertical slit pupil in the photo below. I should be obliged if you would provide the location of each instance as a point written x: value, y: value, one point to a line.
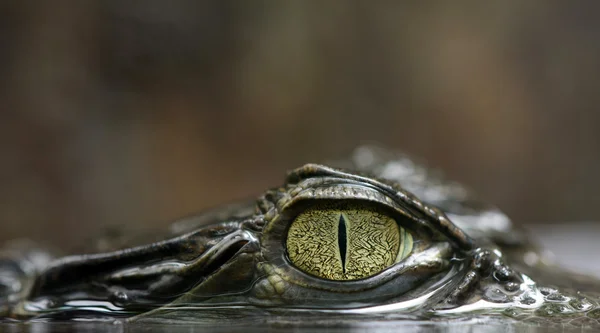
x: 342, y: 241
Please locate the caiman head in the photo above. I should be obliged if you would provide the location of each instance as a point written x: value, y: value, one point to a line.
x: 381, y: 237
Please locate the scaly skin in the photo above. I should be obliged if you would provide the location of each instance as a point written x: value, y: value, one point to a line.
x: 231, y: 264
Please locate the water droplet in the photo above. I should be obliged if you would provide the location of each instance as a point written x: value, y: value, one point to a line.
x: 119, y: 298
x: 557, y: 297
x: 581, y: 304
x: 511, y: 286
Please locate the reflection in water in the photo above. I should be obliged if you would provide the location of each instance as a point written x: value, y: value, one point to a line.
x: 374, y: 327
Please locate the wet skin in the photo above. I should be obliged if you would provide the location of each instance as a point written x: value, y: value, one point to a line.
x: 379, y: 237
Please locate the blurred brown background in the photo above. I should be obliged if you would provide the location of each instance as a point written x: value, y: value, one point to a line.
x: 139, y: 112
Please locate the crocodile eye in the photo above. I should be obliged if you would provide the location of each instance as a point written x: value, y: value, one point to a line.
x: 346, y: 241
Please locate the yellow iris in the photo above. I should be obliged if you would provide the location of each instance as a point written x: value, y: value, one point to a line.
x: 346, y: 241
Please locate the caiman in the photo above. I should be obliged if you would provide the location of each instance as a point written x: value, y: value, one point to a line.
x: 375, y: 238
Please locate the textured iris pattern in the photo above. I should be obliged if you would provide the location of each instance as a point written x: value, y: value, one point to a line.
x: 345, y: 241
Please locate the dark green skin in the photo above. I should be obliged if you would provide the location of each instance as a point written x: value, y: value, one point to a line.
x: 230, y: 265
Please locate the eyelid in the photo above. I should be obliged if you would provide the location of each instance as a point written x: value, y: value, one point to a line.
x: 344, y: 191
